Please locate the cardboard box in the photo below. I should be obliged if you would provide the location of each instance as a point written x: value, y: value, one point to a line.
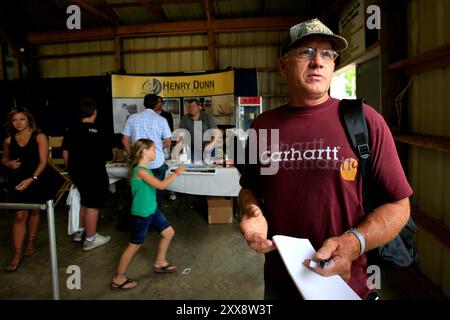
x: 220, y: 210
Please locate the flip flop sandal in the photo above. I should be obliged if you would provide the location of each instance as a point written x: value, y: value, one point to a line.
x: 116, y: 286
x: 13, y: 267
x: 29, y: 252
x: 170, y: 268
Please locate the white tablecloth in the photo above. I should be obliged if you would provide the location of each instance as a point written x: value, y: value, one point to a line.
x: 224, y: 183
x: 116, y: 171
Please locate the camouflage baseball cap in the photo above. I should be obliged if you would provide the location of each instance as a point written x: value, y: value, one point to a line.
x: 309, y: 28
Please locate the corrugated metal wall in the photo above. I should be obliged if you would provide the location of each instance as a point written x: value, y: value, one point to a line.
x: 166, y: 61
x: 240, y: 50
x: 76, y: 66
x: 429, y: 113
x: 263, y: 55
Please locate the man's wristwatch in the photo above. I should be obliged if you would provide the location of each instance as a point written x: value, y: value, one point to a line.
x: 35, y: 178
x: 361, y: 239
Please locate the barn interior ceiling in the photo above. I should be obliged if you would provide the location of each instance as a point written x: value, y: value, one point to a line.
x: 31, y: 21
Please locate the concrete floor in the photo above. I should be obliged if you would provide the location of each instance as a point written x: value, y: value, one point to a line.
x: 217, y: 255
x: 222, y: 266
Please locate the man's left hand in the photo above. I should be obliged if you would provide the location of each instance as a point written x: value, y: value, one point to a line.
x: 341, y: 251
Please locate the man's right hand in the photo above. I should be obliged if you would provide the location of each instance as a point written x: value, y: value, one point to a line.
x: 254, y: 229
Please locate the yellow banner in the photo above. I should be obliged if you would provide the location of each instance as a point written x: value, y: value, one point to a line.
x: 178, y: 86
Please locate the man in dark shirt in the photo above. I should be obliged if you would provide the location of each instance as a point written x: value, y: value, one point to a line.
x: 197, y: 123
x: 306, y: 183
x: 85, y: 153
x: 166, y: 115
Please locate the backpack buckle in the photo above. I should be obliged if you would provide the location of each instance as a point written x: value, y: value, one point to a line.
x: 364, y: 151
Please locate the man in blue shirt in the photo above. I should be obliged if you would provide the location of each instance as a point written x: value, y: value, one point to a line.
x: 149, y: 125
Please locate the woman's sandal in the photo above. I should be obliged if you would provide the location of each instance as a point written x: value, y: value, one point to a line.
x: 13, y: 265
x: 30, y: 250
x: 116, y: 286
x: 169, y: 268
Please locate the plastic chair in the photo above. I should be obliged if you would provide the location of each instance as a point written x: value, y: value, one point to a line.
x: 56, y: 161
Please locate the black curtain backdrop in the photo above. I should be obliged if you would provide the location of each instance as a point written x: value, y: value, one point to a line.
x: 245, y: 83
x: 61, y: 99
x: 54, y: 102
x: 6, y: 102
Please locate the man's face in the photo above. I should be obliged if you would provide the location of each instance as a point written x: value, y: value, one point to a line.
x: 310, y: 76
x: 193, y: 109
x: 159, y: 105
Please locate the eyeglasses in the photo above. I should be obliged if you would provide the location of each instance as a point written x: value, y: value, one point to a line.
x: 328, y: 55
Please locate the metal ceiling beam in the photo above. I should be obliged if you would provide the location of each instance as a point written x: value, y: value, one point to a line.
x: 332, y: 10
x: 168, y: 28
x: 125, y: 5
x: 209, y: 11
x: 154, y: 9
x: 266, y: 7
x: 88, y: 7
x: 212, y: 64
x: 178, y: 1
x: 111, y: 13
x: 59, y: 4
x: 160, y: 2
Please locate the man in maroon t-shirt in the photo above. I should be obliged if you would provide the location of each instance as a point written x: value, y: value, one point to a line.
x: 306, y: 183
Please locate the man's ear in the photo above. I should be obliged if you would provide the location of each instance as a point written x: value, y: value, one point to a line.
x: 281, y: 63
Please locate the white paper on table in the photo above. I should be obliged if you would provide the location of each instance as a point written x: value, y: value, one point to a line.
x: 312, y: 286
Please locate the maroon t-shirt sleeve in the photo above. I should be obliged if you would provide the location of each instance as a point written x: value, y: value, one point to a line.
x: 386, y: 168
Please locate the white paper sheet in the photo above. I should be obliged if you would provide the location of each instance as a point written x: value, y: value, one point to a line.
x: 312, y: 286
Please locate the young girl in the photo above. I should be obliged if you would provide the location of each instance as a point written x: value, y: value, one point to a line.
x: 144, y: 213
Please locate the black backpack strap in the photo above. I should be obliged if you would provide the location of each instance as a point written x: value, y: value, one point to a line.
x: 400, y: 251
x: 352, y: 116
